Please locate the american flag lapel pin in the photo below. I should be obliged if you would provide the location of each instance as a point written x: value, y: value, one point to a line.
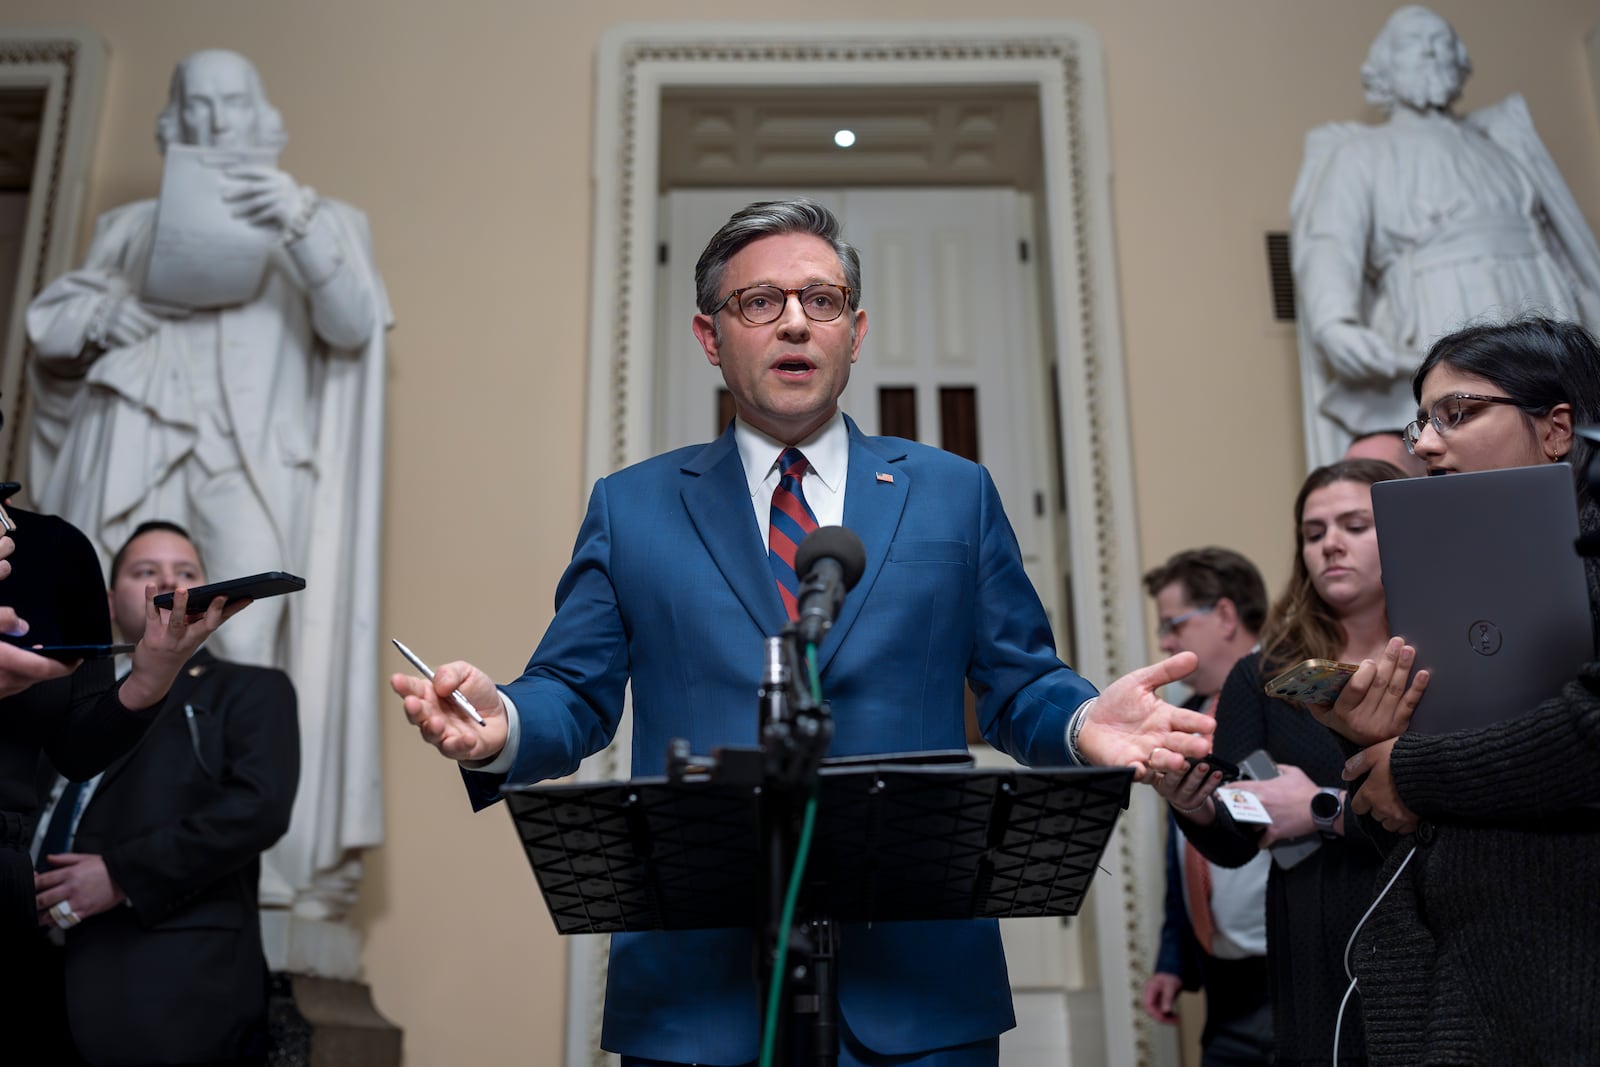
x: 886, y: 479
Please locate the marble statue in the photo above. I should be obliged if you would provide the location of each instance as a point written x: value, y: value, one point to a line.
x: 1409, y: 229
x: 257, y: 424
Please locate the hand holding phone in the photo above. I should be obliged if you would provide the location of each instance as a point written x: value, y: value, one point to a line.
x: 1260, y: 766
x: 1188, y: 792
x: 253, y: 587
x: 1380, y: 699
x: 1230, y: 771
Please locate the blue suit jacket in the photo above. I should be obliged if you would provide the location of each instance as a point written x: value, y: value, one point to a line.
x: 669, y: 587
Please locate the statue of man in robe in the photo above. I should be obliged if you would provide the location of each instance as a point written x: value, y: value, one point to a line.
x: 1410, y: 229
x: 258, y: 425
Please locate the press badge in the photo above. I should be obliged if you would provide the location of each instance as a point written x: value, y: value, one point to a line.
x: 1243, y: 805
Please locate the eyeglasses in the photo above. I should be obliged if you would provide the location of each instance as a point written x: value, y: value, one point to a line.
x: 761, y: 304
x: 1168, y: 627
x: 1448, y: 412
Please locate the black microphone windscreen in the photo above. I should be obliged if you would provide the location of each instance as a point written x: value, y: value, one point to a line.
x: 837, y: 543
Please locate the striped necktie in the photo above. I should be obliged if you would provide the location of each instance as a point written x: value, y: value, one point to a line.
x: 1197, y: 876
x: 58, y: 834
x: 791, y: 521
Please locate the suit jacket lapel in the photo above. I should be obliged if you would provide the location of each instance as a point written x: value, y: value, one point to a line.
x: 872, y: 508
x: 716, y: 495
x: 189, y: 679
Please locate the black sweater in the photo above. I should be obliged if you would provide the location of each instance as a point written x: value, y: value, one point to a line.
x: 1487, y: 949
x: 1311, y: 907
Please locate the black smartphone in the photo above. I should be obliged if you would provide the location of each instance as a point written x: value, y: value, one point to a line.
x: 67, y: 653
x: 254, y: 587
x: 1230, y: 771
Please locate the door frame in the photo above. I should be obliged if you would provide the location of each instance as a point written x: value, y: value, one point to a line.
x: 1059, y: 60
x: 69, y: 64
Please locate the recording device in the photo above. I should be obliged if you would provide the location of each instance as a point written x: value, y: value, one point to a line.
x: 830, y: 562
x: 253, y: 587
x: 1260, y: 766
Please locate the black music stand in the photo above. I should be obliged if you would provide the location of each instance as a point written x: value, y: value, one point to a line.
x: 892, y: 842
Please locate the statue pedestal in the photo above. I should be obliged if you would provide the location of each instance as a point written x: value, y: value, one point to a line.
x: 309, y: 946
x: 326, y: 1022
x: 320, y: 1014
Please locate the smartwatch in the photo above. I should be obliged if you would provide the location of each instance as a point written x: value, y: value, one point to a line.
x: 1326, y: 807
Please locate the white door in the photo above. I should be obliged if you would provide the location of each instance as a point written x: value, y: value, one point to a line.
x: 953, y: 339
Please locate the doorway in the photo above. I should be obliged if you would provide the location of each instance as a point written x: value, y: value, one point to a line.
x: 51, y: 85
x: 1057, y: 67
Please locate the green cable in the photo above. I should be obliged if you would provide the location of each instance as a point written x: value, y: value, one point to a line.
x: 775, y: 991
x: 769, y: 1030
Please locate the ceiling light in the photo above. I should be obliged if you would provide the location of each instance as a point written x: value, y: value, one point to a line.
x: 844, y: 138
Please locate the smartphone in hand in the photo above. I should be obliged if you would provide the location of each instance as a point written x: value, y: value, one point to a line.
x: 1259, y: 765
x: 254, y: 587
x: 1312, y: 682
x: 1230, y: 771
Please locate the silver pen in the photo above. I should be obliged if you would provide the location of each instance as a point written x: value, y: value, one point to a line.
x: 455, y: 694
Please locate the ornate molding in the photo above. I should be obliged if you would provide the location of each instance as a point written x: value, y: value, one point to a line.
x: 68, y: 64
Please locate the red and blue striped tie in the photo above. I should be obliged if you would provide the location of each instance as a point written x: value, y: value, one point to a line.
x: 791, y: 521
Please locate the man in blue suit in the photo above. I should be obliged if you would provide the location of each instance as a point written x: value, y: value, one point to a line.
x: 678, y: 577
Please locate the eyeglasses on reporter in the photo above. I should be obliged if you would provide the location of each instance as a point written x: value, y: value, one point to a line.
x: 1168, y: 627
x: 1448, y: 412
x: 761, y: 304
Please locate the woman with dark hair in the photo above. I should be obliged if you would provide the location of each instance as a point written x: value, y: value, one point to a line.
x: 1332, y: 609
x: 1485, y: 949
x: 1547, y: 370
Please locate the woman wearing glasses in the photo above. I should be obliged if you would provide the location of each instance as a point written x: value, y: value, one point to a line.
x: 1486, y: 948
x: 1333, y: 609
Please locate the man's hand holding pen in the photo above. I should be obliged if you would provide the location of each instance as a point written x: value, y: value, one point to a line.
x: 443, y: 725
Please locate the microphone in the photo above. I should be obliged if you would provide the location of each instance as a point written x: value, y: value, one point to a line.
x: 830, y: 561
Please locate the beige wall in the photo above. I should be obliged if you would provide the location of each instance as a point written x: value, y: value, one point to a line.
x: 463, y: 130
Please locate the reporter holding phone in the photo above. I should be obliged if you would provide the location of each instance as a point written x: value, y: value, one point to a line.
x: 76, y: 713
x: 1486, y: 950
x: 1333, y: 609
x: 1212, y: 602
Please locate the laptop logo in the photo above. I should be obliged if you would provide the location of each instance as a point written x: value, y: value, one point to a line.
x: 1484, y: 637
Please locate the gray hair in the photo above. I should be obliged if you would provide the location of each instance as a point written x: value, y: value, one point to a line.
x: 1377, y: 74
x: 269, y: 124
x: 769, y: 218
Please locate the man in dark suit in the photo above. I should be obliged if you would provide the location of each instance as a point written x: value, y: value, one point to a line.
x: 684, y: 565
x: 164, y: 961
x: 1212, y: 602
x: 79, y: 714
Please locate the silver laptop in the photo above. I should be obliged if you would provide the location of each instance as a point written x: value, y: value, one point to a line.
x: 1482, y: 580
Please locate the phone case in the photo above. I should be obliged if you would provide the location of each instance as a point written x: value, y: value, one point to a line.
x: 254, y: 587
x: 1312, y: 681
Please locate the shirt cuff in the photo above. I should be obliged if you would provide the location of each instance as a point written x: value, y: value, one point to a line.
x: 501, y: 764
